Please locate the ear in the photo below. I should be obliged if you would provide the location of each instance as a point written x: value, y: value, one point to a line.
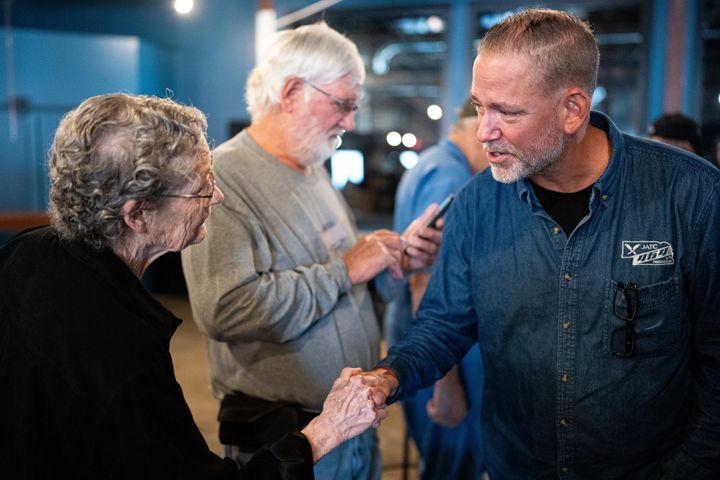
x: 291, y: 93
x: 134, y: 216
x: 576, y: 109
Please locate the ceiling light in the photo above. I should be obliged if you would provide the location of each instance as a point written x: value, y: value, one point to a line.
x: 183, y: 6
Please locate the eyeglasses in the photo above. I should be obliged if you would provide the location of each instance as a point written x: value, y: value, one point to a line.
x: 194, y: 195
x: 625, y: 306
x: 345, y: 106
x: 189, y: 195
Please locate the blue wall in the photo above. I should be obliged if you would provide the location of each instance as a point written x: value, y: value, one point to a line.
x: 201, y: 59
x: 53, y: 72
x: 216, y: 51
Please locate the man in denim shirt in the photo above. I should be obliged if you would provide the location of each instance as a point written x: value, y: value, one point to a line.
x: 586, y: 266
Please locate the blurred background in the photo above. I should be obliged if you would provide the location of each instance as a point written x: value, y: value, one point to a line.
x: 657, y: 56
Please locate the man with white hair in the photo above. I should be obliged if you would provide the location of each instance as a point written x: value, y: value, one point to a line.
x: 280, y: 285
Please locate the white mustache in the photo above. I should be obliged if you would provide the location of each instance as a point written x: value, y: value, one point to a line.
x: 496, y: 147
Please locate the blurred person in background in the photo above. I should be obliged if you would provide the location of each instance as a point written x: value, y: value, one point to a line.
x: 87, y: 380
x: 677, y: 130
x: 444, y: 420
x: 282, y: 285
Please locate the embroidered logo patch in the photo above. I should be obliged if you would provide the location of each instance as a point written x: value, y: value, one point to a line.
x: 648, y: 252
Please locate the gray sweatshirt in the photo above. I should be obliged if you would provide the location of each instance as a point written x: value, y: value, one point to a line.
x: 268, y: 286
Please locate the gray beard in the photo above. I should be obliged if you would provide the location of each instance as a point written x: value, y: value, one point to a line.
x: 547, y: 151
x: 309, y: 151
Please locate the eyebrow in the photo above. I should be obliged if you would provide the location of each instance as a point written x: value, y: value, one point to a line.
x: 500, y: 105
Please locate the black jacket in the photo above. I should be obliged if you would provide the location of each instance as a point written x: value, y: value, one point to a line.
x: 87, y: 387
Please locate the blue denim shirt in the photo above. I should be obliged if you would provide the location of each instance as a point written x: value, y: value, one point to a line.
x: 541, y: 305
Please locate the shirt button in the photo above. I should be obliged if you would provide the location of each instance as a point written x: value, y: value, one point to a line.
x: 563, y: 423
x: 566, y: 324
x: 556, y: 230
x: 564, y: 470
x: 604, y: 197
x: 568, y: 277
x: 564, y: 377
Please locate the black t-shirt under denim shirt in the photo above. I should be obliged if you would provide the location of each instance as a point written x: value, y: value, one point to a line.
x: 567, y: 209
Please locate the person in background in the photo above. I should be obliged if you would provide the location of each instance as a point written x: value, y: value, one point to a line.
x: 678, y: 130
x: 444, y: 421
x: 585, y: 264
x: 87, y: 381
x: 281, y: 286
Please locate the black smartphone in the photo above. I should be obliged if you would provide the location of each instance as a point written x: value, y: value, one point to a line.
x: 442, y: 209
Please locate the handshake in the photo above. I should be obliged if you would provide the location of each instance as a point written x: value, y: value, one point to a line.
x: 356, y: 402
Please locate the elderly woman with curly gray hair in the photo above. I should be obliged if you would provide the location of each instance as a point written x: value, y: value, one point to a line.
x: 86, y: 378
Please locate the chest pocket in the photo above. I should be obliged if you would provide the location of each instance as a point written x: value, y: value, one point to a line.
x: 660, y: 316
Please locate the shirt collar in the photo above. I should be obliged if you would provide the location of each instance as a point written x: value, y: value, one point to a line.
x: 607, y: 183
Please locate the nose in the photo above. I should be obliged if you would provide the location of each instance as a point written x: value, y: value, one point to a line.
x: 217, y: 197
x: 347, y: 122
x: 488, y: 128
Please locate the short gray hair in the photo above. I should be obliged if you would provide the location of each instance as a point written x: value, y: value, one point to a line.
x: 113, y: 148
x: 316, y: 53
x: 559, y: 44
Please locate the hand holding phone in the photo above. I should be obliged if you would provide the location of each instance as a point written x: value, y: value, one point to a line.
x: 424, y: 248
x: 441, y: 211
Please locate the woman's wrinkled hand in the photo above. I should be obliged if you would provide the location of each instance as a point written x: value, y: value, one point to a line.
x: 347, y: 412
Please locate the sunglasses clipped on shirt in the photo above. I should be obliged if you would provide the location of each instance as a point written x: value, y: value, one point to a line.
x: 625, y: 307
